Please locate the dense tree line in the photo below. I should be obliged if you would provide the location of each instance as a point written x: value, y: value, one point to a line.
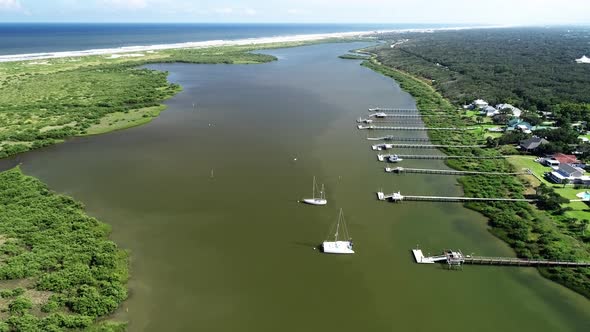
x: 531, y: 68
x: 50, y: 241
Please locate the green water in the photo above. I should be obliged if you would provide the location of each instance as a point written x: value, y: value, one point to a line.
x: 235, y: 251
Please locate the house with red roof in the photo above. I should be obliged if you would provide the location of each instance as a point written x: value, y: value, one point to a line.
x: 568, y: 159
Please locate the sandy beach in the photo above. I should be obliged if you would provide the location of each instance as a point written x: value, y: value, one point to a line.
x: 214, y: 43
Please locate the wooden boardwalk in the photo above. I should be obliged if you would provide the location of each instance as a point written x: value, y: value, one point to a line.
x: 373, y: 127
x: 401, y: 139
x: 457, y: 258
x: 380, y: 147
x: 398, y: 197
x: 400, y: 170
x: 383, y: 157
x: 409, y: 116
x: 482, y: 260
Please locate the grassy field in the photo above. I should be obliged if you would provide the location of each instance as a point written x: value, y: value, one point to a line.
x: 579, y: 210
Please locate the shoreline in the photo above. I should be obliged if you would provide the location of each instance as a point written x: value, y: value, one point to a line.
x: 426, y: 95
x: 221, y: 43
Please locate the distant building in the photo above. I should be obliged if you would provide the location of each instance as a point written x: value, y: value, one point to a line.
x: 583, y: 59
x: 571, y: 173
x: 480, y: 103
x: 517, y: 124
x: 532, y: 143
x: 488, y: 111
x: 516, y: 112
x: 568, y: 159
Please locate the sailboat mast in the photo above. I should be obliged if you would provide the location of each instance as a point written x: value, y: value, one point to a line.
x: 322, y: 193
x: 338, y: 226
x: 313, y: 189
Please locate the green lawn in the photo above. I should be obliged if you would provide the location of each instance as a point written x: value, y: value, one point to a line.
x: 580, y: 209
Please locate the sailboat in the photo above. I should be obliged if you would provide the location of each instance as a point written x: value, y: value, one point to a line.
x: 316, y: 200
x: 339, y: 247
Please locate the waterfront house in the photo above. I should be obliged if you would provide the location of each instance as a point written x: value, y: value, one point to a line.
x: 568, y: 159
x: 532, y: 143
x: 572, y: 174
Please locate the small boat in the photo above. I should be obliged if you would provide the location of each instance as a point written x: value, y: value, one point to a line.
x: 394, y: 159
x: 316, y: 200
x: 336, y: 246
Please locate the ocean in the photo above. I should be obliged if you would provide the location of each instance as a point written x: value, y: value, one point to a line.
x: 25, y: 38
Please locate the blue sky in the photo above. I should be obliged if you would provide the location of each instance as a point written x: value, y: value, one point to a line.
x: 520, y: 12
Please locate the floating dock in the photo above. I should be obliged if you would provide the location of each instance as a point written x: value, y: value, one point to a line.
x: 457, y: 258
x: 384, y: 157
x: 373, y: 127
x: 400, y: 170
x: 398, y: 197
x: 385, y: 146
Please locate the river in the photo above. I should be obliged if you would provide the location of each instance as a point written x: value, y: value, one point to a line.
x: 205, y: 199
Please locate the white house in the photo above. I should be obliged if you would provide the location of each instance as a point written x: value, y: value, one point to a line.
x: 515, y: 111
x: 571, y: 173
x: 480, y: 103
x: 488, y: 111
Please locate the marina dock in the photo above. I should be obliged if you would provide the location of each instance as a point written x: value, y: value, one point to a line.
x: 457, y: 258
x: 384, y: 146
x: 398, y: 197
x: 384, y: 157
x: 401, y: 170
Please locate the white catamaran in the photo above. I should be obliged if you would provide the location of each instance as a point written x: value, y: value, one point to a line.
x: 316, y: 200
x: 339, y: 247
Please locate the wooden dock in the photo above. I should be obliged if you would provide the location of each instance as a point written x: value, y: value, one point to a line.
x: 482, y: 260
x: 383, y: 157
x: 400, y: 139
x: 457, y: 258
x: 400, y: 170
x: 393, y: 115
x: 402, y: 110
x: 398, y: 197
x: 373, y: 127
x: 381, y: 147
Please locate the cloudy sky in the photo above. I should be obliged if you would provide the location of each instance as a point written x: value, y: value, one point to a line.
x: 353, y: 11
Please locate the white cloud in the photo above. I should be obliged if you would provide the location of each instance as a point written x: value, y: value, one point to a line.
x: 294, y: 11
x: 224, y: 10
x: 124, y: 4
x: 10, y: 5
x: 250, y: 11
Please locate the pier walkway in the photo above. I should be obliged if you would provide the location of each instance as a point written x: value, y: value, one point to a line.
x: 398, y: 197
x: 400, y: 170
x: 381, y: 147
x: 456, y: 258
x: 401, y: 139
x: 384, y: 157
x: 373, y: 127
x: 381, y: 109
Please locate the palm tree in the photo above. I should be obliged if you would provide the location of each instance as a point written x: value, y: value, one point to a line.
x: 565, y: 182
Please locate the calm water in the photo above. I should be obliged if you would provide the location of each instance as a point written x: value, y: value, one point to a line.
x: 235, y: 252
x: 24, y: 38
